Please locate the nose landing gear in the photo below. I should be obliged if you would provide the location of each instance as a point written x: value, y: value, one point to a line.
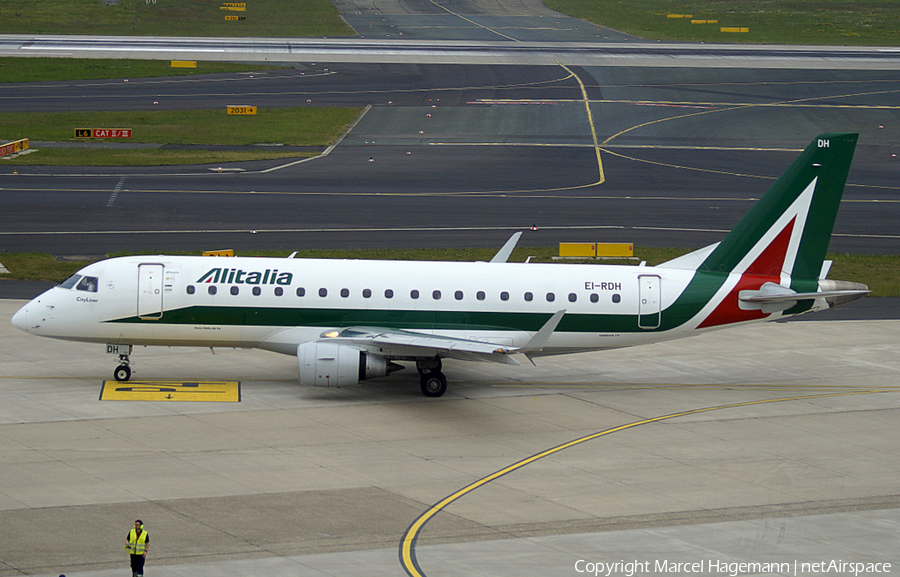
x: 123, y: 371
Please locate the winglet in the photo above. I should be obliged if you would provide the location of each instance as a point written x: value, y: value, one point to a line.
x: 540, y: 338
x: 503, y: 254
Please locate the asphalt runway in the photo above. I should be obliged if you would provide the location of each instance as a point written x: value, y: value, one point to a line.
x: 465, y: 155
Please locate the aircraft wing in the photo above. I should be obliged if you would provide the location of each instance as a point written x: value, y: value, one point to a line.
x: 403, y: 343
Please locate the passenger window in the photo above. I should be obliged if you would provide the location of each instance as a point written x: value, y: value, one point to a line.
x: 345, y: 292
x: 301, y: 292
x: 551, y: 297
x: 436, y: 295
x: 87, y: 284
x: 504, y: 296
x: 617, y: 298
x: 595, y: 297
x: 235, y: 290
x: 573, y: 297
x: 323, y: 292
x: 190, y: 289
x: 212, y: 289
x: 480, y: 295
x: 257, y: 291
x: 279, y: 291
x: 529, y: 297
x: 367, y: 293
x: 388, y: 294
x: 458, y: 295
x: 414, y: 294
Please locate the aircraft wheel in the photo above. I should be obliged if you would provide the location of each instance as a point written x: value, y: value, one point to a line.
x: 122, y: 373
x: 434, y: 384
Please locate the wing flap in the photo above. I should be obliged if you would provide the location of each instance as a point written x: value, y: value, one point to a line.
x: 401, y: 343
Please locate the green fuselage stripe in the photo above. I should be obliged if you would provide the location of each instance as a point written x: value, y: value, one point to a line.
x: 697, y: 294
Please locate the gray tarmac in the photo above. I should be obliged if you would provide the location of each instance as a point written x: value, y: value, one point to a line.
x: 797, y: 465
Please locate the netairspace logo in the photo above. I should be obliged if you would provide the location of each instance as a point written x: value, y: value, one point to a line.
x: 731, y: 568
x: 238, y: 276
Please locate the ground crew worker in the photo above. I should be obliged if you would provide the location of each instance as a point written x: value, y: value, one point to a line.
x: 137, y: 545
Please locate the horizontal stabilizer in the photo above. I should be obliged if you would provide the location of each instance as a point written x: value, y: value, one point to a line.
x: 772, y: 297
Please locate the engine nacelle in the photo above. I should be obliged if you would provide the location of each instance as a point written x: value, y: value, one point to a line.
x: 325, y: 364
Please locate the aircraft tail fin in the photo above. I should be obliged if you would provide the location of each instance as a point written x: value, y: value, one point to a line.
x: 787, y: 231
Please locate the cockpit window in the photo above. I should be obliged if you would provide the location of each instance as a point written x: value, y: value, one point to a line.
x: 88, y: 284
x: 70, y: 282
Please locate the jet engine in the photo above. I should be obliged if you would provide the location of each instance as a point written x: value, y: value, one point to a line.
x: 326, y: 364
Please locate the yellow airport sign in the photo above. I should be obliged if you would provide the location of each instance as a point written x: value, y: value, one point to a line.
x: 184, y: 64
x: 235, y: 109
x: 233, y: 8
x: 196, y: 391
x: 222, y: 252
x: 235, y: 18
x: 734, y: 29
x: 596, y: 249
x: 13, y: 147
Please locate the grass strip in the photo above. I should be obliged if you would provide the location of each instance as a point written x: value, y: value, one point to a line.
x: 849, y: 22
x: 63, y: 69
x: 116, y: 157
x: 262, y: 18
x: 880, y: 272
x: 288, y: 126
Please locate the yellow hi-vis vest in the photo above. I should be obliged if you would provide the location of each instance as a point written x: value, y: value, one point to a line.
x: 137, y: 545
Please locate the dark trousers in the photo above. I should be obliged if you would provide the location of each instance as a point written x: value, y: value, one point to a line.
x: 137, y: 565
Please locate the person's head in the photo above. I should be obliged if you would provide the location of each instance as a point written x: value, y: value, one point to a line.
x: 138, y: 524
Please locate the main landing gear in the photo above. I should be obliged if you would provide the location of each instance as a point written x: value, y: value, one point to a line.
x: 431, y: 380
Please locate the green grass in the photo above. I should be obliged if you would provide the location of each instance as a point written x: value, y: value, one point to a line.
x: 60, y: 69
x: 266, y: 18
x: 831, y: 22
x: 289, y: 126
x: 292, y: 126
x: 106, y: 157
x: 880, y: 272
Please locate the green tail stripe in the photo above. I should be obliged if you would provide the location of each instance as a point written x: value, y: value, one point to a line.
x: 827, y: 157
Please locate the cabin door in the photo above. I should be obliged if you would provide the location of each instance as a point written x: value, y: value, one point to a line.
x: 649, y: 303
x: 150, y: 291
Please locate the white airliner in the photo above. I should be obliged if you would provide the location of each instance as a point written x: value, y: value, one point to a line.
x: 350, y: 320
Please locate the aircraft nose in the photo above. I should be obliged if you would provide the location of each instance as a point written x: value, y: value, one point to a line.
x: 20, y: 319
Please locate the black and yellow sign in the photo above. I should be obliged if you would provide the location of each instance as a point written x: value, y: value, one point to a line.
x: 84, y: 133
x: 235, y: 18
x: 202, y: 391
x: 241, y: 109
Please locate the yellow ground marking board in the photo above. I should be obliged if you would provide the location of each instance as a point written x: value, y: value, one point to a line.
x: 203, y: 391
x: 592, y: 249
x: 240, y: 109
x: 184, y: 63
